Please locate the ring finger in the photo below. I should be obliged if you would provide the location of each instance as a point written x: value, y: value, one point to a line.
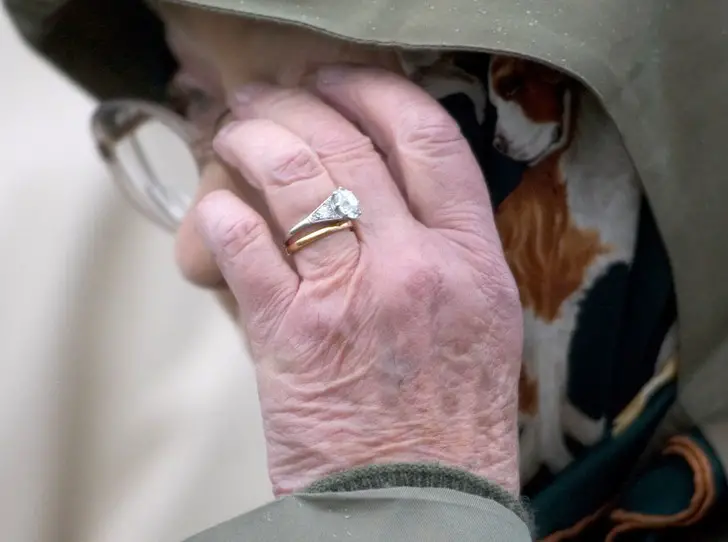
x: 347, y: 154
x: 294, y: 183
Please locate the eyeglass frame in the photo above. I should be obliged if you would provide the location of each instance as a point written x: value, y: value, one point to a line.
x: 108, y: 131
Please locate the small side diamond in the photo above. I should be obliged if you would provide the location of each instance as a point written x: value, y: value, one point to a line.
x: 325, y: 212
x: 347, y: 203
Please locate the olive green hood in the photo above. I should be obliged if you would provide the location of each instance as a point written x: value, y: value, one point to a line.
x: 660, y: 68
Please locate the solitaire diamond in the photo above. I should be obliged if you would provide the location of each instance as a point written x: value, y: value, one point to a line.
x: 347, y: 203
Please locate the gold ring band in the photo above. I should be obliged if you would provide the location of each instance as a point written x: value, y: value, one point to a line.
x: 294, y: 245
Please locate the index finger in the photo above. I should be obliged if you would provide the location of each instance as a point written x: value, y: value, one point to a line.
x: 422, y: 142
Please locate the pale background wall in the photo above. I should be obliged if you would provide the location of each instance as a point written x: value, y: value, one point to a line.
x: 127, y: 407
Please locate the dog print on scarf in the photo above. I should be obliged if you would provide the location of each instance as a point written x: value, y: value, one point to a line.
x: 600, y: 312
x: 572, y: 217
x: 567, y: 206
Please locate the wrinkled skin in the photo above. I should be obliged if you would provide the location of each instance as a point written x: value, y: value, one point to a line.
x: 400, y: 341
x: 217, y: 54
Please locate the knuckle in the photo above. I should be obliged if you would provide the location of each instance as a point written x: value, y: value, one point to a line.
x: 332, y: 145
x: 295, y: 165
x: 431, y: 130
x: 236, y: 237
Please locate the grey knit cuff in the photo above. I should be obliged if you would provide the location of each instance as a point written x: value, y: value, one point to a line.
x: 422, y: 475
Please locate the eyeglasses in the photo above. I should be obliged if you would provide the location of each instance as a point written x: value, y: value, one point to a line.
x: 149, y: 152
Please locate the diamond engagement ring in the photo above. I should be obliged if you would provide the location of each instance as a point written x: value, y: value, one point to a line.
x: 341, y: 206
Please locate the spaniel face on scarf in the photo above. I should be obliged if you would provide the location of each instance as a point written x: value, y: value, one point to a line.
x: 533, y: 103
x: 567, y: 229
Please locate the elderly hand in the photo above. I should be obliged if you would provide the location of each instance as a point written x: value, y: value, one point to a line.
x: 399, y: 341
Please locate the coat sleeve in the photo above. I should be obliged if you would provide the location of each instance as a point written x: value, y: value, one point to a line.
x: 393, y: 503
